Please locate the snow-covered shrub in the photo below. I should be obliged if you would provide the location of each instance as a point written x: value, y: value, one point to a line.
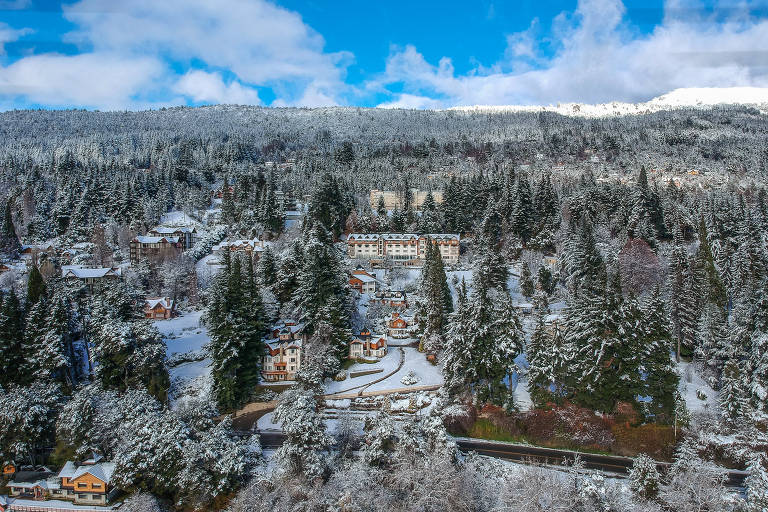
x: 142, y: 502
x: 644, y: 477
x: 410, y: 379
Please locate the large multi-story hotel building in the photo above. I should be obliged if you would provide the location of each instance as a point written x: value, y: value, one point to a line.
x: 401, y: 248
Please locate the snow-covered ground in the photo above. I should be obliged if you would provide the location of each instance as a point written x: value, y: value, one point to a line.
x: 427, y: 373
x: 692, y: 386
x: 178, y: 218
x: 387, y: 364
x: 185, y: 335
x: 683, y: 97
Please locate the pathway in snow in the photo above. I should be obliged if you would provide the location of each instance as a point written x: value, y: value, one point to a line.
x: 363, y: 386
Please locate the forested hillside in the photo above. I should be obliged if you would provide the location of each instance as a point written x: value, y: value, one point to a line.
x: 608, y: 293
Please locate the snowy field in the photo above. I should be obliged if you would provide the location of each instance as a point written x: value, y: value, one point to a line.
x: 693, y: 388
x: 387, y: 364
x: 185, y: 336
x: 427, y: 373
x: 178, y: 218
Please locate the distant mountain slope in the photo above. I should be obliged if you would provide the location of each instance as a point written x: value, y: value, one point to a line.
x: 679, y: 98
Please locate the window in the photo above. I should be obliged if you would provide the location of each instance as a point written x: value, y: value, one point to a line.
x: 82, y: 496
x: 81, y: 485
x: 96, y: 486
x: 293, y: 359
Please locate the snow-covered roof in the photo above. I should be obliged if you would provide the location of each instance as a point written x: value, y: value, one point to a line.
x: 38, y: 247
x: 156, y: 239
x: 276, y: 344
x: 165, y: 302
x: 95, y: 457
x: 255, y: 244
x: 53, y: 505
x: 85, y: 273
x: 68, y: 470
x: 364, y: 278
x: 103, y: 471
x: 165, y: 230
x: 444, y: 236
x: 294, y: 328
x: 375, y: 237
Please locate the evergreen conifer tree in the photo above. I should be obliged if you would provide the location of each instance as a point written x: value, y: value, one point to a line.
x: 526, y: 282
x: 11, y: 339
x: 36, y: 288
x: 483, y: 341
x: 9, y: 241
x: 436, y: 301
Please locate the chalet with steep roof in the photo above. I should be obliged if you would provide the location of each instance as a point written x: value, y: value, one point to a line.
x: 392, y: 298
x: 363, y: 283
x: 159, y: 308
x: 367, y: 345
x: 253, y: 247
x: 399, y: 326
x: 87, y: 483
x: 283, y: 351
x: 92, y: 278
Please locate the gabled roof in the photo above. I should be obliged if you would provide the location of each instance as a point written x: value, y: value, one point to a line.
x: 164, y: 302
x: 102, y: 471
x: 156, y: 239
x: 84, y: 273
x: 363, y: 278
x: 165, y: 230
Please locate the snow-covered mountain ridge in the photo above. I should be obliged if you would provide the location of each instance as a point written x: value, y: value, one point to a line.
x: 679, y: 98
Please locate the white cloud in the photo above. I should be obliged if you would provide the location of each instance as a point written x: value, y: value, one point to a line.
x: 9, y: 34
x: 131, y: 51
x: 598, y: 59
x: 14, y: 5
x: 204, y: 87
x: 103, y: 80
x: 259, y: 42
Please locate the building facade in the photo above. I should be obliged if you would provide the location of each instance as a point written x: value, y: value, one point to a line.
x: 363, y: 283
x: 186, y: 235
x: 401, y: 248
x: 159, y: 308
x: 283, y: 352
x: 88, y: 483
x: 367, y: 345
x: 399, y: 326
x: 154, y: 248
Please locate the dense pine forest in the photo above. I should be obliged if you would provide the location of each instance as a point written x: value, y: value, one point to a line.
x: 609, y: 296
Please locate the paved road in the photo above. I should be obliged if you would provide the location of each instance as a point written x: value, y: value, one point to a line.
x: 536, y: 455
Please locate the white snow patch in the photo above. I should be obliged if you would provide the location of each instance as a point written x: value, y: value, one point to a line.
x: 692, y: 388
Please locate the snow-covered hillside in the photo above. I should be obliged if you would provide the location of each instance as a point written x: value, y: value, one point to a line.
x: 679, y: 98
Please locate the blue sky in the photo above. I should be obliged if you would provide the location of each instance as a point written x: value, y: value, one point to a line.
x: 137, y: 54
